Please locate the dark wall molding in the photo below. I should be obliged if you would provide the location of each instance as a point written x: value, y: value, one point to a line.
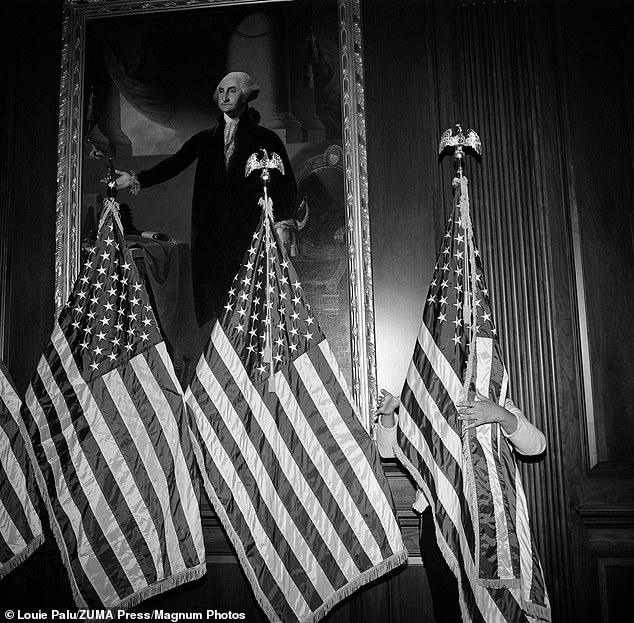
x: 8, y: 77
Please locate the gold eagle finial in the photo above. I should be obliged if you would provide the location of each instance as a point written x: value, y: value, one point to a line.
x: 454, y: 137
x: 265, y: 163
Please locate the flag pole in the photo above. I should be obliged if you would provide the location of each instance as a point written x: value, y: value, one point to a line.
x: 455, y: 140
x: 267, y: 207
x: 266, y: 163
x: 110, y: 202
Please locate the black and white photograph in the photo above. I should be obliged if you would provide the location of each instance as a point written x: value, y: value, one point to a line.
x: 317, y: 311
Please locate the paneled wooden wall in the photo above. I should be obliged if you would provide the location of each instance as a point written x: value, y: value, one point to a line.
x: 31, y: 34
x: 597, y: 77
x: 547, y: 85
x: 502, y: 81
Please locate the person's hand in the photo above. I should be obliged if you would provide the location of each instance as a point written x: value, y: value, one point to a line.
x: 484, y: 411
x: 386, y: 405
x: 285, y: 231
x: 124, y: 179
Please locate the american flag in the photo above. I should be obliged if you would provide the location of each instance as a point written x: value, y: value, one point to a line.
x: 107, y: 420
x: 20, y: 527
x: 291, y: 472
x: 470, y: 478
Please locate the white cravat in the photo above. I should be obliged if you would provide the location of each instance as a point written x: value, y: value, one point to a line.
x: 230, y: 135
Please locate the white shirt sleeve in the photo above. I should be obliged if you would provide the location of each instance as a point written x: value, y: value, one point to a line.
x: 527, y: 439
x: 385, y: 441
x: 420, y: 503
x: 386, y: 438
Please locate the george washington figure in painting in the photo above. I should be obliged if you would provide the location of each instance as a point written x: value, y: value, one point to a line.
x: 225, y: 203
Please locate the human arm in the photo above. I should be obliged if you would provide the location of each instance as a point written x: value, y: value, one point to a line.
x: 526, y: 438
x: 282, y: 188
x: 284, y: 191
x: 163, y: 170
x: 386, y: 425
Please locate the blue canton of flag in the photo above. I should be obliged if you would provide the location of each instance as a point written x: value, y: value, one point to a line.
x: 469, y: 477
x: 107, y: 421
x: 291, y: 472
x: 20, y: 527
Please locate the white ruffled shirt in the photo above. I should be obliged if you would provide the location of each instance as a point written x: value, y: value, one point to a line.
x: 231, y: 126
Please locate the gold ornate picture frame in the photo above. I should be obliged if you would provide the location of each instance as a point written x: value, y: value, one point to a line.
x: 349, y: 155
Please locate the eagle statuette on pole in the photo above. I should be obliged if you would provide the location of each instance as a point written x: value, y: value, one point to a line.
x: 456, y: 139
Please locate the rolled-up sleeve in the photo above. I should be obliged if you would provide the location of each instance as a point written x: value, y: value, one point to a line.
x: 386, y: 438
x: 527, y: 439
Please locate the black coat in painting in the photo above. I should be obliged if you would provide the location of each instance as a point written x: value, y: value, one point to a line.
x: 225, y: 208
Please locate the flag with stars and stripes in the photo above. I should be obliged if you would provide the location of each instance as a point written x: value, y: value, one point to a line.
x: 107, y: 422
x: 20, y: 526
x: 291, y: 472
x: 469, y: 477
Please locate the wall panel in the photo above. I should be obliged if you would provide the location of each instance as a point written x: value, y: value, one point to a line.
x: 600, y: 114
x: 480, y: 65
x: 501, y: 97
x: 33, y: 34
x: 596, y: 74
